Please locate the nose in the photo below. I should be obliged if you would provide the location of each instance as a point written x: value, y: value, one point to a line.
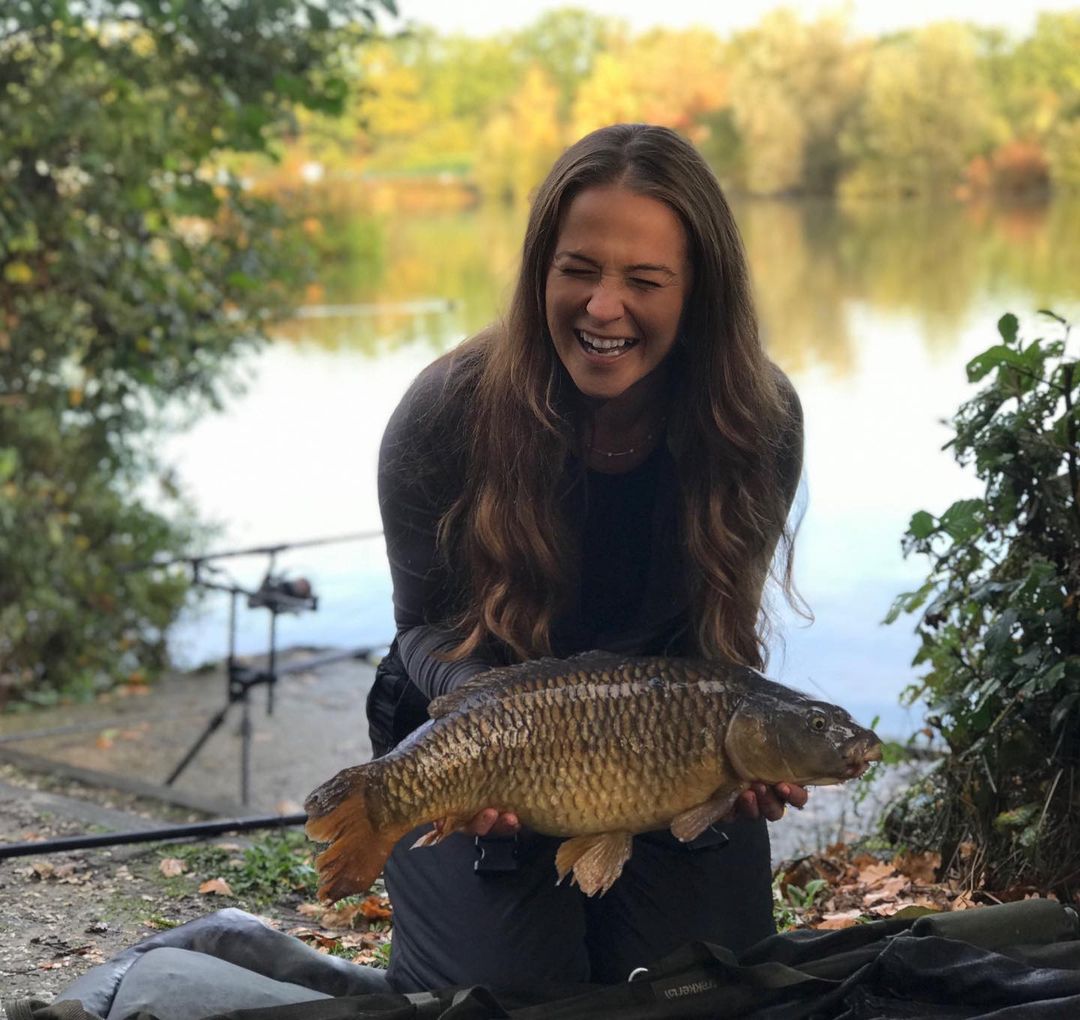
x: 605, y: 303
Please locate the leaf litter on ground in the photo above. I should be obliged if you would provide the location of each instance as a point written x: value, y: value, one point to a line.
x: 854, y: 886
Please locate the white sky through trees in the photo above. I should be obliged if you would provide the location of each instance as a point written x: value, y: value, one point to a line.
x: 872, y: 17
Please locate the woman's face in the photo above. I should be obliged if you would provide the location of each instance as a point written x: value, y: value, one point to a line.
x: 616, y: 288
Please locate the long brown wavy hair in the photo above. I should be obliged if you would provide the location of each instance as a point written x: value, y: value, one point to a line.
x: 731, y: 429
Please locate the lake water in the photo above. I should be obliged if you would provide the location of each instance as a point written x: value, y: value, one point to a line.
x: 872, y: 311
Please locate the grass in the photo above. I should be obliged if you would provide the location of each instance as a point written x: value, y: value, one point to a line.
x: 272, y: 868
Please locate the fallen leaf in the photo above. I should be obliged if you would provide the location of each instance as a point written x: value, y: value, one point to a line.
x: 963, y: 902
x: 874, y: 873
x: 889, y: 889
x: 836, y: 923
x: 376, y: 908
x: 921, y: 868
x: 912, y: 911
x: 342, y: 918
x: 216, y: 887
x: 322, y: 939
x: 310, y: 909
x: 170, y: 867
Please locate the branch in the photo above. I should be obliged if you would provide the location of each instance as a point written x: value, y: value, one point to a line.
x: 1070, y: 438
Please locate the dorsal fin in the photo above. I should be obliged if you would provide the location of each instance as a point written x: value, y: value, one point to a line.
x: 524, y: 676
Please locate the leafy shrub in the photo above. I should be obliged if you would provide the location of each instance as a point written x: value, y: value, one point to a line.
x: 1000, y: 625
x: 134, y: 269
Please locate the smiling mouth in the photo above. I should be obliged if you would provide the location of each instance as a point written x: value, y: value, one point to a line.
x: 604, y: 347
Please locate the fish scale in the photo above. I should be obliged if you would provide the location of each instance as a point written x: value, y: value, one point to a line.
x: 594, y: 748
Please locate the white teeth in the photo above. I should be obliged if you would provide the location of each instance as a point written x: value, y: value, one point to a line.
x: 604, y: 345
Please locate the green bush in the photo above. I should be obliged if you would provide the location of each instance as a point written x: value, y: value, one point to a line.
x: 1000, y: 625
x: 133, y: 272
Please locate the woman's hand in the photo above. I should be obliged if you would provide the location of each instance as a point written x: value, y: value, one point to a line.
x: 490, y: 822
x: 769, y: 802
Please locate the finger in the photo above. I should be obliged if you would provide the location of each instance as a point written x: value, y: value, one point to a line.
x: 795, y: 795
x: 747, y: 805
x: 770, y: 805
x: 482, y: 822
x: 505, y: 825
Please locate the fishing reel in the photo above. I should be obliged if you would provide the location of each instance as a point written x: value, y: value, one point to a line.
x: 281, y: 594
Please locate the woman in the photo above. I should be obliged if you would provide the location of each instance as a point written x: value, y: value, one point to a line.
x: 610, y: 467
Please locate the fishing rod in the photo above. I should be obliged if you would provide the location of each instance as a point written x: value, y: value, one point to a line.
x: 65, y: 843
x: 259, y: 550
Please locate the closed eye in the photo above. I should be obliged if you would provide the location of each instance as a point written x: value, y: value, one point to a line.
x: 637, y: 281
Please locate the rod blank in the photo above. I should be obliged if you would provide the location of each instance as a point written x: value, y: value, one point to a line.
x: 216, y: 828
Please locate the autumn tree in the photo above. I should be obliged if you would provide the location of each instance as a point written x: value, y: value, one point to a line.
x: 1049, y: 68
x: 663, y: 77
x: 924, y: 114
x: 566, y: 43
x: 795, y: 87
x: 521, y: 142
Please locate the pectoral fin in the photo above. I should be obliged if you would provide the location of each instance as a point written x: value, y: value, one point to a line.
x: 596, y: 860
x: 441, y: 829
x: 692, y: 823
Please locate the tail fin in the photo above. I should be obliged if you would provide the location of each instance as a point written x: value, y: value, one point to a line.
x: 339, y: 813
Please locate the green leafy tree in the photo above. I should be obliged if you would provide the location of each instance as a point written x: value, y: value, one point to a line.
x: 520, y: 143
x: 1034, y: 85
x: 133, y: 271
x: 925, y: 112
x: 1000, y: 625
x: 1053, y: 55
x: 566, y: 43
x: 794, y: 88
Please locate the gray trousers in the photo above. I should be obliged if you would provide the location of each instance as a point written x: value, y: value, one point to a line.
x: 180, y: 984
x: 225, y: 960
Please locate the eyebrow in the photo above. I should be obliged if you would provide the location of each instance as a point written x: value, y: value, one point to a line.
x: 638, y: 267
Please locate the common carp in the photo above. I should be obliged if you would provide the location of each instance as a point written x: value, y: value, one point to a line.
x: 597, y: 747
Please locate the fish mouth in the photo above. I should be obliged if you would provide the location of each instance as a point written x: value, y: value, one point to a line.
x: 604, y: 346
x: 861, y: 755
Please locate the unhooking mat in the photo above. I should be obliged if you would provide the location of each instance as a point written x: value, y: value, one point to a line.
x: 1017, y: 961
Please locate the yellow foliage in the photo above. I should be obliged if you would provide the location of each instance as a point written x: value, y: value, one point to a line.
x: 519, y: 144
x: 794, y: 86
x: 663, y: 77
x: 18, y: 273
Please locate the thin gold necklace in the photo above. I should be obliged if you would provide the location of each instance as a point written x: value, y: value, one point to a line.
x: 652, y: 434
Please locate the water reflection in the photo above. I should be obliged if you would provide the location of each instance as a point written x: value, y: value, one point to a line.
x: 798, y: 282
x: 468, y: 259
x: 930, y: 262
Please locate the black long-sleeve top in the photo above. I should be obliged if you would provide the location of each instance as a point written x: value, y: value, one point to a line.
x: 632, y: 597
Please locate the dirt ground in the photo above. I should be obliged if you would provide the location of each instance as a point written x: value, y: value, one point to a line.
x: 62, y: 913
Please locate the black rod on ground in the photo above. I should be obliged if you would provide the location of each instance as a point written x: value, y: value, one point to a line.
x: 65, y: 843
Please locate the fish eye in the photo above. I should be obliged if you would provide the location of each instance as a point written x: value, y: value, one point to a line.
x: 817, y: 722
